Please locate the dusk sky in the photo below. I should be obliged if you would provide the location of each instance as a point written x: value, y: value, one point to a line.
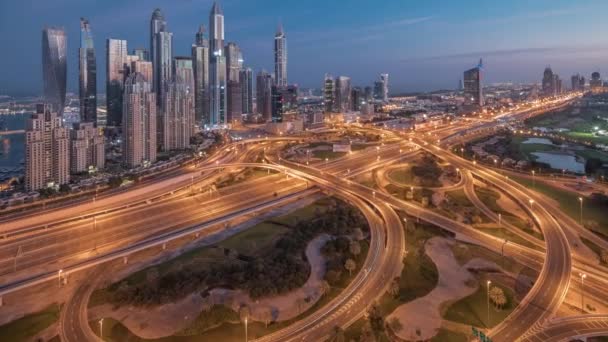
x: 423, y: 45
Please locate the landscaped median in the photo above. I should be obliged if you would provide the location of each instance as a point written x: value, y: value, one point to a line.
x: 273, y: 274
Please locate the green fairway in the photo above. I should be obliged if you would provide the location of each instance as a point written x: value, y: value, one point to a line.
x: 402, y: 175
x: 25, y: 328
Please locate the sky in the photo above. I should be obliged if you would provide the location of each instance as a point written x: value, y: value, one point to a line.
x: 423, y: 45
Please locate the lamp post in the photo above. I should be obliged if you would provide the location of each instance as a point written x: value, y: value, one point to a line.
x: 583, y: 276
x: 488, y: 296
x: 531, y: 203
x: 59, y: 276
x: 405, y: 226
x: 246, y: 336
x: 534, y: 179
x: 101, y: 329
x: 580, y: 201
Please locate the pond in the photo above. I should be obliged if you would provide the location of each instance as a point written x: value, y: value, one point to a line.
x: 543, y: 141
x: 560, y: 161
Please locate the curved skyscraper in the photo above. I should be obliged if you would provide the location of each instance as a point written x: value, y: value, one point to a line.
x: 88, y: 74
x: 280, y: 57
x: 54, y: 67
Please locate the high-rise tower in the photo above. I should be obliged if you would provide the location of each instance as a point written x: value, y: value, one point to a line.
x: 54, y: 67
x: 88, y: 74
x: 264, y: 95
x: 280, y: 57
x: 157, y: 24
x: 139, y: 122
x: 473, y: 85
x: 218, y: 78
x: 200, y: 66
x: 116, y: 58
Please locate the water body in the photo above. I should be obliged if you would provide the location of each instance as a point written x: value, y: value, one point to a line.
x: 542, y: 141
x: 560, y: 161
x: 12, y: 147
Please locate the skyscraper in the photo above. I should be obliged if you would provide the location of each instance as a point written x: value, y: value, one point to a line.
x: 264, y: 95
x: 200, y: 64
x: 144, y: 68
x: 234, y: 64
x: 54, y: 67
x: 177, y: 124
x: 384, y: 80
x: 473, y: 85
x: 87, y: 148
x: 218, y: 78
x: 88, y: 74
x: 164, y: 66
x: 280, y: 57
x: 329, y: 93
x: 595, y: 83
x: 116, y: 57
x: 357, y: 98
x: 246, y: 78
x: 343, y: 94
x: 576, y: 82
x: 157, y: 24
x: 139, y: 122
x: 47, y: 146
x: 548, y: 82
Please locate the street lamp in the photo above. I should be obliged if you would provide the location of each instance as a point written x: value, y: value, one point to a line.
x: 488, y: 293
x: 405, y: 226
x: 246, y: 337
x: 583, y: 276
x: 534, y: 179
x: 101, y: 329
x: 580, y: 201
x: 531, y: 203
x: 499, y: 219
x: 59, y: 276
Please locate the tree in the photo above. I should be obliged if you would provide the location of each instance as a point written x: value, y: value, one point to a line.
x: 393, y: 289
x: 350, y: 265
x: 497, y: 296
x: 604, y: 256
x: 115, y: 181
x: 266, y: 315
x: 300, y: 302
x: 337, y: 334
x: 324, y: 287
x: 354, y: 248
x: 358, y: 234
x: 395, y: 325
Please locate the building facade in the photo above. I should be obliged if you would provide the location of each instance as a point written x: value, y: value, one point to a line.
x: 87, y: 74
x: 473, y: 85
x: 284, y: 102
x: 47, y: 150
x: 87, y: 148
x: 246, y: 79
x: 343, y: 94
x: 200, y: 64
x: 116, y: 57
x: 54, y: 67
x: 157, y: 24
x: 280, y: 57
x: 264, y: 83
x: 329, y: 93
x: 177, y: 123
x: 218, y: 78
x: 139, y: 122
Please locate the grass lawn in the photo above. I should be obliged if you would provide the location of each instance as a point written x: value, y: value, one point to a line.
x: 459, y: 198
x: 445, y: 335
x: 328, y: 154
x: 472, y: 310
x: 584, y: 136
x: 259, y: 237
x: 568, y: 202
x: 402, y: 175
x: 23, y: 329
x: 595, y: 248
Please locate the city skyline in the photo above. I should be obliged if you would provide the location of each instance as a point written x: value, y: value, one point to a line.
x: 426, y: 46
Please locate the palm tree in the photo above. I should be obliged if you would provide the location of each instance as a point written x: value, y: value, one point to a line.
x: 324, y: 287
x: 393, y: 289
x: 497, y: 296
x: 354, y: 248
x: 350, y: 265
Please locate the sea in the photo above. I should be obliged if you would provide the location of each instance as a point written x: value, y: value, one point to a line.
x: 12, y: 147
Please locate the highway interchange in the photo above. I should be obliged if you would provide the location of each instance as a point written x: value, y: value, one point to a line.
x: 37, y: 248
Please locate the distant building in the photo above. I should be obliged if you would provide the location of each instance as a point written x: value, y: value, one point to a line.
x: 116, y: 57
x: 343, y: 94
x: 87, y: 148
x: 280, y: 57
x: 384, y: 80
x: 177, y: 116
x: 142, y: 54
x: 87, y: 74
x: 576, y: 83
x: 264, y: 95
x: 200, y: 64
x: 357, y: 98
x: 473, y: 85
x: 548, y: 84
x: 139, y: 122
x: 284, y: 102
x: 54, y: 67
x: 164, y: 64
x: 329, y: 93
x: 557, y: 83
x: 47, y: 150
x: 246, y: 79
x: 234, y: 61
x: 217, y: 75
x: 143, y: 67
x: 596, y: 82
x: 235, y: 102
